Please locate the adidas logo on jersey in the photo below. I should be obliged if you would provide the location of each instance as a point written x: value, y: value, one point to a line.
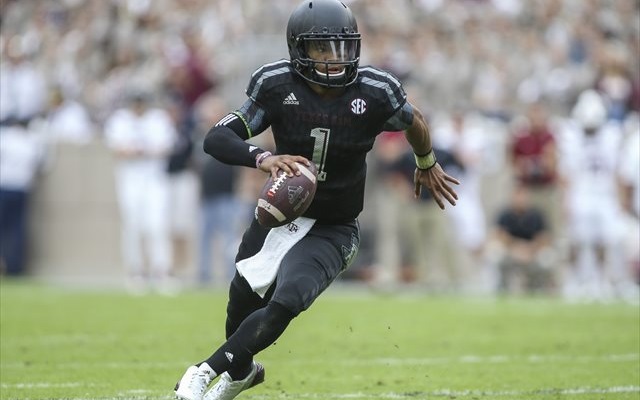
x: 291, y: 99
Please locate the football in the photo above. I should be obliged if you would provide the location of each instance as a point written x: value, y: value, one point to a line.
x: 287, y: 197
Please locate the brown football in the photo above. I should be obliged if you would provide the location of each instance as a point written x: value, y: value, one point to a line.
x: 287, y: 197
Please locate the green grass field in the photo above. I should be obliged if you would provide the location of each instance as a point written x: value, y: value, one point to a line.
x: 59, y: 343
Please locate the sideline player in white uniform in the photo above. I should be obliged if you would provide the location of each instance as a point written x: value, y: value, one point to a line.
x: 462, y: 135
x: 23, y: 154
x: 590, y: 147
x: 629, y: 181
x: 141, y: 138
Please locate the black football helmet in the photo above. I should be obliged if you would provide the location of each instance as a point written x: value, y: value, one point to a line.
x: 324, y: 43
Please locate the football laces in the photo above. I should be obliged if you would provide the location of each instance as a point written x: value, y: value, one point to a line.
x: 277, y: 183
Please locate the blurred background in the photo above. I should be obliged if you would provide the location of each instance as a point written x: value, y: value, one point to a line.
x: 533, y: 105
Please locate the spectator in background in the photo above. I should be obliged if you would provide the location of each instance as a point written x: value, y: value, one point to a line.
x: 523, y: 236
x: 141, y: 138
x: 67, y: 120
x: 393, y: 197
x: 188, y: 80
x: 183, y: 188
x: 534, y: 161
x: 629, y: 167
x: 615, y: 82
x: 430, y: 235
x: 223, y: 212
x: 21, y: 156
x: 629, y: 184
x: 22, y: 150
x: 462, y: 136
x: 589, y: 156
x: 416, y: 243
x: 220, y: 212
x: 23, y: 90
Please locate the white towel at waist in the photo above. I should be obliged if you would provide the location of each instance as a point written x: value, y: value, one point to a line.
x: 261, y: 269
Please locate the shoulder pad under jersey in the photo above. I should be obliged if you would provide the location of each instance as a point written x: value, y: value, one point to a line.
x: 383, y: 84
x: 267, y: 77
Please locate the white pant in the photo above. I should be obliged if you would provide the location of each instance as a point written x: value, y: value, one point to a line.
x: 594, y: 219
x: 144, y: 206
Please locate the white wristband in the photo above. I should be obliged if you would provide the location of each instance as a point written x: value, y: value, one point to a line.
x: 260, y: 158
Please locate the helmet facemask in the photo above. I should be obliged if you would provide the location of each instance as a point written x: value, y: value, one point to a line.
x: 329, y: 60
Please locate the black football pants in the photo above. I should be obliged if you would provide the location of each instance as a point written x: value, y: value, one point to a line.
x: 305, y: 272
x: 254, y: 323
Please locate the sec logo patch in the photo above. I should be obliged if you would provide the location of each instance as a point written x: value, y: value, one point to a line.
x: 358, y: 106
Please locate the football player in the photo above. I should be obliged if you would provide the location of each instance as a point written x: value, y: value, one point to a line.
x: 321, y: 107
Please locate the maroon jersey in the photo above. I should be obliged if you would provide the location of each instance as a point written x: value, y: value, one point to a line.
x: 528, y: 152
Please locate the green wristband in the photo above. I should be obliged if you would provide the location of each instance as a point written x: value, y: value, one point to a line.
x: 427, y: 161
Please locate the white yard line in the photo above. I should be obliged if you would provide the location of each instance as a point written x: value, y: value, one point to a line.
x: 500, y: 359
x: 446, y: 393
x: 44, y: 385
x: 143, y: 394
x: 466, y: 359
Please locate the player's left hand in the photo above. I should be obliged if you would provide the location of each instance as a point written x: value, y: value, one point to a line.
x: 437, y: 182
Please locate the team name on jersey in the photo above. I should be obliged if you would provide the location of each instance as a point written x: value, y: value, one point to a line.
x: 324, y: 119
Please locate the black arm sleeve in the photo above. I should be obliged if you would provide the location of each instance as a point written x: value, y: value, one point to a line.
x: 225, y: 142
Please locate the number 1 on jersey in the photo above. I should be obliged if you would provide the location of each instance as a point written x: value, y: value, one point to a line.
x: 321, y: 136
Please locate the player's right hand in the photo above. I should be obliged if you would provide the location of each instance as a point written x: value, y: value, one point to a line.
x: 284, y: 162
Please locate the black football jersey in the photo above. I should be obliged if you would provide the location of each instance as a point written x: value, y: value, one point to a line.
x: 335, y: 134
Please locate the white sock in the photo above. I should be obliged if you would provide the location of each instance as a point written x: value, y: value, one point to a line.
x: 206, y: 368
